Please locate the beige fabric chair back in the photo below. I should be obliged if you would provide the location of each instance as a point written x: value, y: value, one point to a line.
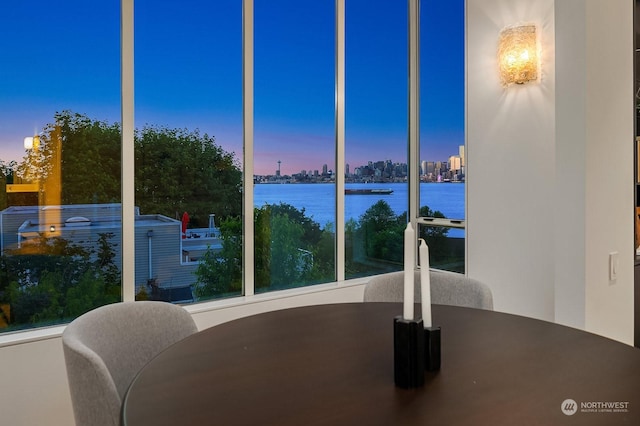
x: 447, y: 288
x: 105, y: 348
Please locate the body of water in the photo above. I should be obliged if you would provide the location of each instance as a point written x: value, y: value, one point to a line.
x: 318, y: 200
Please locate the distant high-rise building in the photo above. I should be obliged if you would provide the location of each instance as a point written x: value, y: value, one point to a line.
x: 440, y: 169
x: 346, y: 169
x: 324, y: 169
x: 454, y: 163
x: 423, y: 167
x: 461, y: 153
x: 431, y: 166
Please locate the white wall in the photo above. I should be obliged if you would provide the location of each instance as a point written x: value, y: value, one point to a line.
x: 595, y: 143
x: 571, y: 167
x: 34, y: 385
x: 511, y: 160
x: 609, y: 123
x: 550, y: 166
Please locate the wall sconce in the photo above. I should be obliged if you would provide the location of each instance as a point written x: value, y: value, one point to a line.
x: 518, y: 54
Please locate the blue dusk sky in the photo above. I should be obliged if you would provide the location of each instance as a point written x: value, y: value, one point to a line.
x: 64, y: 55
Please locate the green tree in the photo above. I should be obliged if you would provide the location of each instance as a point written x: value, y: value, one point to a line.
x: 7, y: 173
x: 81, y: 150
x: 91, y: 152
x: 324, y: 268
x: 315, y: 247
x: 288, y: 263
x: 290, y: 250
x: 49, y: 280
x: 312, y: 232
x: 176, y: 170
x: 353, y: 248
x: 436, y: 237
x: 278, y: 240
x: 90, y: 291
x: 262, y: 244
x: 382, y: 232
x: 220, y: 273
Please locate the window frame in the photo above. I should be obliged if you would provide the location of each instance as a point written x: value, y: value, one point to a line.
x: 127, y: 172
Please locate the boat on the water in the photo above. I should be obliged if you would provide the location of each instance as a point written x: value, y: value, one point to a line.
x: 361, y: 191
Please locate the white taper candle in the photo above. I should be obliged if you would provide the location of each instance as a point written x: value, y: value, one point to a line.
x: 425, y: 283
x: 409, y: 262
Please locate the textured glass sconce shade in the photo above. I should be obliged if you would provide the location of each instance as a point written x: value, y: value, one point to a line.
x: 518, y: 55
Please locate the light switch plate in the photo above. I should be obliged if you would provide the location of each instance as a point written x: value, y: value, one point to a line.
x: 614, y: 263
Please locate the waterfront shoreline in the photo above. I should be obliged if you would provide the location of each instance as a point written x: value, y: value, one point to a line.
x: 318, y: 201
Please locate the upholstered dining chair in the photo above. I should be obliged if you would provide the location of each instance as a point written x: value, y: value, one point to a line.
x: 447, y: 288
x: 105, y: 348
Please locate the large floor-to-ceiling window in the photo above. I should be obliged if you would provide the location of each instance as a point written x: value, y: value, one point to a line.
x: 376, y: 189
x: 60, y: 142
x: 188, y: 149
x: 310, y: 99
x: 442, y: 136
x: 294, y: 143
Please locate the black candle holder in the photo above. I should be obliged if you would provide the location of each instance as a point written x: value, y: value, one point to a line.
x: 409, y: 352
x: 432, y: 348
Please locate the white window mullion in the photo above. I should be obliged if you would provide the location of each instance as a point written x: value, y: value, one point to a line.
x: 247, y: 102
x: 340, y: 142
x: 414, y: 110
x: 128, y: 152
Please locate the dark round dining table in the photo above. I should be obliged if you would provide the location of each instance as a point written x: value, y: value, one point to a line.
x: 333, y: 365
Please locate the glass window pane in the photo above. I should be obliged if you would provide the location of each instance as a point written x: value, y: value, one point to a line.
x: 60, y: 160
x: 294, y: 148
x: 442, y: 133
x: 376, y: 200
x: 446, y: 247
x: 188, y: 145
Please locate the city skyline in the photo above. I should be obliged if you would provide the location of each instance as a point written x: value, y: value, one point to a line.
x: 349, y: 170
